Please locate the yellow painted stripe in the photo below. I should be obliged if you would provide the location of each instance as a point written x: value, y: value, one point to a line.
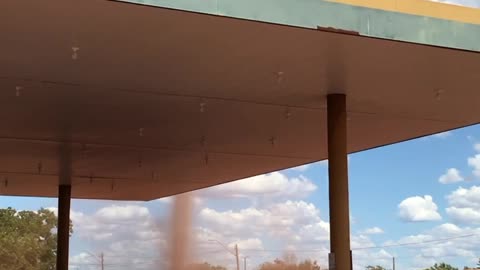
x: 421, y: 8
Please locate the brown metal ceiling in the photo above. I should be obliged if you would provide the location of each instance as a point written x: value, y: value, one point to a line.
x: 155, y: 102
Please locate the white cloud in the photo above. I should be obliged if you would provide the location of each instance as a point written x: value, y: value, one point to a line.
x: 476, y: 147
x: 323, y: 162
x: 443, y: 135
x: 452, y: 175
x: 266, y: 185
x: 463, y: 197
x: 448, y: 229
x: 318, y: 232
x: 301, y: 168
x: 418, y: 209
x: 83, y: 260
x: 475, y: 163
x: 380, y: 257
x: 166, y: 200
x: 464, y: 205
x: 290, y: 225
x: 464, y: 215
x: 122, y: 213
x: 248, y: 244
x: 279, y: 219
x: 449, y: 240
x: 127, y: 234
x: 363, y: 257
x: 373, y: 230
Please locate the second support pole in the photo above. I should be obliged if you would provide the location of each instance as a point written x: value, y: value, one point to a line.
x: 63, y: 227
x: 340, y: 256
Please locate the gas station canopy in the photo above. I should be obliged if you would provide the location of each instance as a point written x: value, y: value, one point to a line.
x: 152, y: 102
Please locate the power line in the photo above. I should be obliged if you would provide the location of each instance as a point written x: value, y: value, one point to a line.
x: 149, y: 259
x: 416, y: 243
x: 371, y: 247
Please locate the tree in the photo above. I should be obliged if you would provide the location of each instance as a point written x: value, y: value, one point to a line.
x: 442, y: 266
x: 377, y: 267
x: 27, y: 239
x: 205, y: 266
x: 279, y: 264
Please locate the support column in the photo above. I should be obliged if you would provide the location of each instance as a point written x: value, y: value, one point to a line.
x: 63, y: 227
x: 64, y: 197
x: 340, y: 255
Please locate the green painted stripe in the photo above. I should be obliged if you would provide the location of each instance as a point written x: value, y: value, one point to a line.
x: 314, y: 13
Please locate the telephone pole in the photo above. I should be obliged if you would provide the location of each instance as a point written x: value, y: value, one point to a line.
x: 236, y: 256
x: 100, y: 259
x: 234, y: 253
x: 245, y: 263
x: 393, y: 261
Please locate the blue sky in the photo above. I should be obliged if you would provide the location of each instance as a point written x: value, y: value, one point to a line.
x: 468, y: 3
x: 420, y: 191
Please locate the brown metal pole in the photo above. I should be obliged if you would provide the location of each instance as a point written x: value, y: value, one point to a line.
x: 64, y: 197
x: 340, y: 256
x: 63, y: 227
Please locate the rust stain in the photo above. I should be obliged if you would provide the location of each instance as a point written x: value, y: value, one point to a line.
x: 337, y: 30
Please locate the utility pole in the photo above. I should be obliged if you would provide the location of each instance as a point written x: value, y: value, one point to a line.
x: 245, y: 263
x: 99, y: 259
x: 393, y: 261
x: 234, y: 253
x: 236, y: 256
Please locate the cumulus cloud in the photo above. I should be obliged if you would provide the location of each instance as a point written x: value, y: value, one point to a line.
x: 279, y: 219
x: 474, y: 162
x: 463, y: 197
x: 248, y: 244
x: 166, y: 200
x: 122, y: 213
x: 217, y: 248
x: 452, y: 175
x: 379, y: 257
x: 274, y: 184
x: 464, y: 215
x: 464, y: 205
x: 443, y: 241
x: 418, y: 209
x: 363, y: 257
x: 323, y: 162
x: 373, y: 230
x: 291, y: 225
x: 127, y: 234
x: 476, y: 147
x: 443, y: 135
x: 301, y: 168
x: 318, y: 232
